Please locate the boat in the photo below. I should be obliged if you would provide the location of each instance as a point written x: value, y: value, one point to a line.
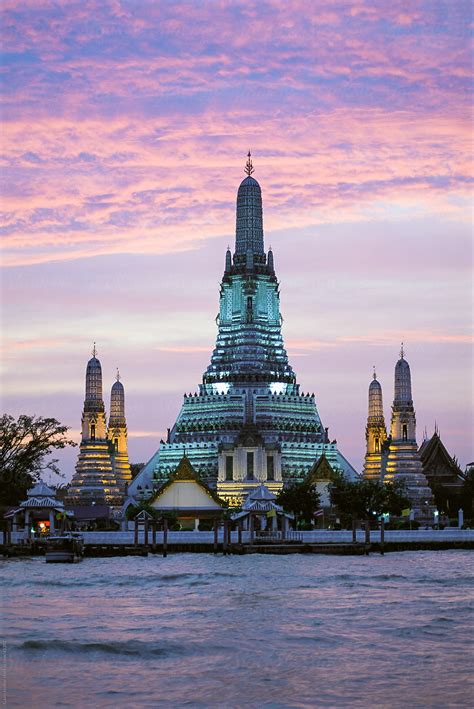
x: 64, y: 548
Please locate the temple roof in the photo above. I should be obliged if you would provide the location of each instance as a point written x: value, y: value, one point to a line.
x: 321, y: 470
x: 40, y: 490
x: 186, y: 473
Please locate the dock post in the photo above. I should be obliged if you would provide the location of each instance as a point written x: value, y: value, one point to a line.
x: 239, y: 529
x: 153, y: 536
x: 382, y: 536
x: 367, y: 536
x: 216, y: 532
x: 165, y: 538
x: 135, y: 533
x: 224, y: 538
x: 145, y: 538
x: 354, y: 531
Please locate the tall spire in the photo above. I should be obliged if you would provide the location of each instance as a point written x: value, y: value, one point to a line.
x: 375, y: 432
x: 403, y: 462
x: 117, y: 376
x: 249, y: 222
x: 94, y: 479
x: 402, y: 381
x: 249, y: 168
x: 94, y: 382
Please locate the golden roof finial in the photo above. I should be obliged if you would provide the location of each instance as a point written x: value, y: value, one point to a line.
x: 118, y: 375
x: 94, y: 350
x: 375, y: 373
x: 248, y: 165
x: 402, y: 352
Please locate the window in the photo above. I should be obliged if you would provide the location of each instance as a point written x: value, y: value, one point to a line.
x: 116, y: 444
x: 93, y: 431
x: 377, y: 445
x: 229, y: 467
x: 404, y: 432
x: 250, y: 466
x: 270, y: 467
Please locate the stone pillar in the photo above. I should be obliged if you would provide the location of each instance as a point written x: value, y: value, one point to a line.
x: 51, y: 522
x: 196, y: 525
x: 274, y: 523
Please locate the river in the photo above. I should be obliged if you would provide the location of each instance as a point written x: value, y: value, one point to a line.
x: 195, y: 630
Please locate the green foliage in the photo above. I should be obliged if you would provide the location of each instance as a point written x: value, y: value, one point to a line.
x: 301, y: 499
x: 367, y: 499
x: 25, y: 445
x: 467, y: 494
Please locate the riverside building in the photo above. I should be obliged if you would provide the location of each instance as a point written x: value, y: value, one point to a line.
x: 248, y: 423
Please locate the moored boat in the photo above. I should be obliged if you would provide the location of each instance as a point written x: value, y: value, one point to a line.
x: 64, y: 548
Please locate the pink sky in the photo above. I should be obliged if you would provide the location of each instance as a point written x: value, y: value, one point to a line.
x: 125, y: 129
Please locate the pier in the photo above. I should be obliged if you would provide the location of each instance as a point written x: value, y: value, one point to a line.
x: 105, y: 544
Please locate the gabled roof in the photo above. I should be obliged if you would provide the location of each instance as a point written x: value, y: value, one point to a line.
x: 185, y: 473
x: 260, y: 494
x: 434, y: 448
x: 40, y: 490
x: 321, y: 470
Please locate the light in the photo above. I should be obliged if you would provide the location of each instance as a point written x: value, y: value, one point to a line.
x: 221, y: 388
x: 277, y: 387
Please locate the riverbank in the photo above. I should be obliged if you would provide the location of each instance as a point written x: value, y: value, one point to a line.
x: 107, y: 544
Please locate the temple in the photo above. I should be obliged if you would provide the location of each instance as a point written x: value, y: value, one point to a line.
x: 249, y: 423
x: 397, y: 458
x: 102, y: 468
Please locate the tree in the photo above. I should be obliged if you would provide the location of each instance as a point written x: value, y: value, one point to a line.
x: 301, y: 499
x: 135, y: 468
x: 467, y: 493
x: 367, y: 499
x: 25, y: 445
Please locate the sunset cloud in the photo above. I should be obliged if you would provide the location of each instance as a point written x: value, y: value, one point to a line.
x: 125, y: 127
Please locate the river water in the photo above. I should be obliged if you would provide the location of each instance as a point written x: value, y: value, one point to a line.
x: 195, y: 630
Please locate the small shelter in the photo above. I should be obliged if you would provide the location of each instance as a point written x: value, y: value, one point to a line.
x: 185, y: 495
x: 260, y: 507
x: 321, y: 475
x: 40, y: 514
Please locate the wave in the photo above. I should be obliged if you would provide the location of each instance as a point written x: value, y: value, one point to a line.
x: 152, y: 580
x: 132, y: 648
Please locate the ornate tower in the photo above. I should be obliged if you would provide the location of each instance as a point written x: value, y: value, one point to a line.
x: 375, y: 433
x: 94, y: 479
x: 403, y: 462
x: 117, y: 435
x: 248, y: 424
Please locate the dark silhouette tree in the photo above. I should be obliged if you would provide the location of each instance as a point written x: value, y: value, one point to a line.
x: 25, y: 446
x: 302, y: 499
x: 367, y: 499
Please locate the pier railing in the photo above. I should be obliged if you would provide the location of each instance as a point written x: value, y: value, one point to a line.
x: 321, y: 536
